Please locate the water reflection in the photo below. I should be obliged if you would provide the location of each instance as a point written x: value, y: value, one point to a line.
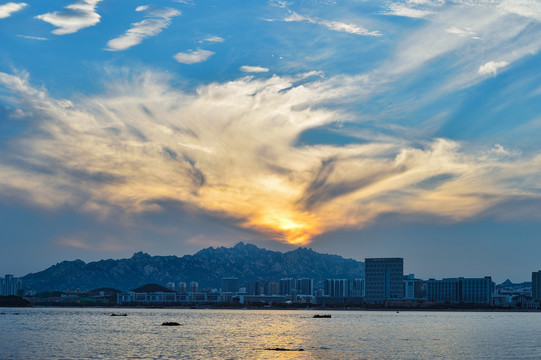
x: 245, y: 334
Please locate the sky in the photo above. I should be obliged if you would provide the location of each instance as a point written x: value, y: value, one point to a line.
x: 359, y: 128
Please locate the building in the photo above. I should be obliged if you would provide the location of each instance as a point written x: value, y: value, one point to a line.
x: 536, y: 285
x: 443, y: 291
x: 413, y: 288
x: 336, y: 287
x: 384, y: 279
x: 170, y: 286
x: 476, y: 290
x: 10, y: 285
x: 194, y: 287
x: 230, y: 284
x: 181, y: 289
x: 305, y: 286
x: 272, y: 288
x: 287, y: 286
x: 461, y: 290
x: 357, y: 288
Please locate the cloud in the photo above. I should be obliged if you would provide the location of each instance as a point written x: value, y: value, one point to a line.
x: 253, y: 69
x: 278, y: 3
x: 214, y: 39
x: 406, y: 11
x: 74, y: 17
x: 9, y: 8
x: 491, y: 68
x: 333, y: 25
x: 193, y: 57
x: 228, y: 149
x: 32, y: 37
x: 158, y: 19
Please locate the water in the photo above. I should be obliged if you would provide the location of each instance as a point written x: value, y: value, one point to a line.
x: 59, y: 333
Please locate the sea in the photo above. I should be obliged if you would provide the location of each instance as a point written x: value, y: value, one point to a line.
x: 92, y: 333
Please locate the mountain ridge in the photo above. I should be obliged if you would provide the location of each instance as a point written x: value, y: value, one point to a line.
x: 207, y: 266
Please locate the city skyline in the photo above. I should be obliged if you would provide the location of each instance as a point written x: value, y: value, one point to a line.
x: 364, y: 129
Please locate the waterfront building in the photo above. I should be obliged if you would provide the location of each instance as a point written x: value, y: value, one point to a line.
x: 305, y: 286
x: 477, y: 290
x: 413, y: 288
x: 442, y: 291
x: 287, y: 286
x: 230, y: 284
x: 272, y: 288
x: 357, y: 288
x: 194, y: 287
x: 384, y: 279
x: 461, y: 290
x: 170, y: 286
x: 10, y: 285
x: 336, y: 287
x: 182, y: 288
x: 536, y: 285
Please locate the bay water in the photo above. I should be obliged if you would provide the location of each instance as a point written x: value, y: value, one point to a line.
x: 91, y: 333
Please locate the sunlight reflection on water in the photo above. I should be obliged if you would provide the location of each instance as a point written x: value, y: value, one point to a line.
x: 54, y: 333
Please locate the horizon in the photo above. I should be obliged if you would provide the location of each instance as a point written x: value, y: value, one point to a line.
x: 361, y: 129
x: 262, y: 248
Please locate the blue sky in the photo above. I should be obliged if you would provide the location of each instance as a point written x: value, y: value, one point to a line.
x: 362, y: 128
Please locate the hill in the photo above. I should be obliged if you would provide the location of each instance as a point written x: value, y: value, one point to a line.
x: 208, y: 267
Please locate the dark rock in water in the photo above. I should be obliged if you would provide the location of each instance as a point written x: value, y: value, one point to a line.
x: 282, y: 349
x: 170, y: 323
x: 324, y: 316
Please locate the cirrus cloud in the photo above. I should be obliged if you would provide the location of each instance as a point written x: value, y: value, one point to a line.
x: 230, y: 149
x: 157, y: 20
x: 253, y: 69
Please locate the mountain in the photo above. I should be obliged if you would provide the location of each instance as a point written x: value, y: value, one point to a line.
x: 508, y: 284
x: 208, y: 266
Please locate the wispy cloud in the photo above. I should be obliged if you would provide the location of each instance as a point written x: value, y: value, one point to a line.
x: 399, y: 9
x: 491, y: 68
x: 158, y: 19
x: 229, y: 149
x: 214, y: 39
x: 193, y: 56
x: 253, y: 69
x: 39, y: 38
x: 74, y: 17
x: 9, y: 8
x: 333, y: 25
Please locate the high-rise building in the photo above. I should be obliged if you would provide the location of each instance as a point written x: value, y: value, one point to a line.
x: 536, y: 285
x: 272, y: 288
x: 10, y: 285
x: 181, y: 287
x: 194, y: 287
x: 336, y: 287
x: 384, y: 279
x: 287, y: 286
x: 358, y: 288
x: 305, y: 287
x: 230, y: 285
x: 170, y: 286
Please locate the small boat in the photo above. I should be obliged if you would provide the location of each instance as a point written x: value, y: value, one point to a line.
x: 170, y: 323
x: 323, y: 316
x: 113, y: 314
